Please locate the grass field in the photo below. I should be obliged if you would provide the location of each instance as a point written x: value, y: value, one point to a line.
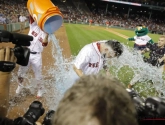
x: 80, y: 35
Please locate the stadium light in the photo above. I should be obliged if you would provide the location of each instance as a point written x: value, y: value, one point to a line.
x: 122, y: 2
x: 137, y: 4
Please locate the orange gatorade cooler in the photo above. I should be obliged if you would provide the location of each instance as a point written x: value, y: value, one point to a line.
x: 46, y: 14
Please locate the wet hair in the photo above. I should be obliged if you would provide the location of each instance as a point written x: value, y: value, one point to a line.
x: 116, y: 46
x: 96, y: 96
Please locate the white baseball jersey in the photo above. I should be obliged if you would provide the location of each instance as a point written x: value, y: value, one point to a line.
x: 142, y: 40
x: 89, y: 59
x: 38, y: 37
x: 22, y: 18
x: 36, y: 46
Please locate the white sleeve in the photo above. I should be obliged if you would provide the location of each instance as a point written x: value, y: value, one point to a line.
x: 44, y: 35
x: 135, y: 37
x: 148, y: 38
x: 82, y: 58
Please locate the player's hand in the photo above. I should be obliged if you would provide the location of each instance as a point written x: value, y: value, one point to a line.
x: 7, y: 59
x: 45, y: 44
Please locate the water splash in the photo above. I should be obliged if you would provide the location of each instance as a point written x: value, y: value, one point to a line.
x: 62, y: 74
x: 142, y: 72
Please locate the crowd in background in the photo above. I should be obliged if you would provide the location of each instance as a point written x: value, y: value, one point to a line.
x: 10, y: 13
x: 114, y: 19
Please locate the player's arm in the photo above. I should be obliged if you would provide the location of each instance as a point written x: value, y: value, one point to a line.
x: 79, y: 72
x: 151, y: 41
x: 131, y: 39
x: 82, y: 60
x: 45, y: 40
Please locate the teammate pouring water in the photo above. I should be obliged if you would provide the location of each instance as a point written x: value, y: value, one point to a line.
x: 40, y: 39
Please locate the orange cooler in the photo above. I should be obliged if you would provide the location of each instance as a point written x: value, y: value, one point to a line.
x: 46, y: 14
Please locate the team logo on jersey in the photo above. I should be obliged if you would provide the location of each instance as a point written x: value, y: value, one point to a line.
x: 34, y: 33
x: 94, y: 65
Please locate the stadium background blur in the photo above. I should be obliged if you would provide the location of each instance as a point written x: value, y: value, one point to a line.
x: 150, y: 14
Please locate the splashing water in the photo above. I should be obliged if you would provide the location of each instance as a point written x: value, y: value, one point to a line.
x: 143, y: 72
x: 60, y: 77
x: 63, y: 76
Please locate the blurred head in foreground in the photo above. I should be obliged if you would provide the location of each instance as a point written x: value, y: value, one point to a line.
x: 96, y: 100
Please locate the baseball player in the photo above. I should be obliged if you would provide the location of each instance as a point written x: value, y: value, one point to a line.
x: 22, y: 20
x: 40, y: 40
x: 107, y: 24
x: 91, y: 58
x: 90, y: 22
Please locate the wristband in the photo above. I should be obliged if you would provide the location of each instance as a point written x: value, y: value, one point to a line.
x: 6, y: 66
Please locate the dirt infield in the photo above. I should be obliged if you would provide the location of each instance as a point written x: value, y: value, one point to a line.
x: 21, y: 104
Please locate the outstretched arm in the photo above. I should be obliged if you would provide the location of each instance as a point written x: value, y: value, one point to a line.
x: 131, y: 39
x: 151, y: 41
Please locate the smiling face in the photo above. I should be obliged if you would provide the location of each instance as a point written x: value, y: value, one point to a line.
x: 161, y: 42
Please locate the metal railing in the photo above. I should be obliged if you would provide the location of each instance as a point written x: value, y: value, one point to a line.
x: 13, y: 27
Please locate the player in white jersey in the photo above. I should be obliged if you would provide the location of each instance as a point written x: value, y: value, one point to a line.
x: 40, y: 39
x: 91, y: 59
x: 22, y: 20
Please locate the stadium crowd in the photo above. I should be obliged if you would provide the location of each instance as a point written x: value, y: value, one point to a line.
x: 114, y: 19
x: 10, y: 12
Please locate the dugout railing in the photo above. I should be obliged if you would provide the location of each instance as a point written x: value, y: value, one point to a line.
x: 13, y: 27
